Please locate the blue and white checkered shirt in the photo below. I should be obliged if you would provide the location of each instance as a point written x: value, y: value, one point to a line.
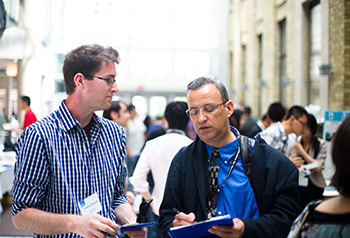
x: 57, y: 166
x: 275, y: 136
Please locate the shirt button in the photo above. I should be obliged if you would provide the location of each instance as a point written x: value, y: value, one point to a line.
x: 218, y: 190
x: 225, y: 162
x: 219, y: 213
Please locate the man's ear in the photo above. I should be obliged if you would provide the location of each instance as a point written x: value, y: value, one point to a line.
x: 79, y: 79
x: 291, y: 118
x: 229, y: 108
x: 114, y: 115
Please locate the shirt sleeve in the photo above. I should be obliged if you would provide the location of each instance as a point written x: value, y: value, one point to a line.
x: 141, y: 171
x: 268, y: 138
x: 290, y: 150
x: 322, y: 154
x: 31, y: 172
x: 119, y: 194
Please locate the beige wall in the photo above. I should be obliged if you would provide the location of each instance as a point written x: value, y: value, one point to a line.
x: 340, y: 54
x: 249, y: 18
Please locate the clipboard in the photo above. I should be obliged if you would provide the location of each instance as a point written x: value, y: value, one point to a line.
x: 136, y: 226
x: 200, y: 229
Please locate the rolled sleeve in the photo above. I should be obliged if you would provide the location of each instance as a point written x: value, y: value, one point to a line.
x: 31, y: 173
x: 119, y: 195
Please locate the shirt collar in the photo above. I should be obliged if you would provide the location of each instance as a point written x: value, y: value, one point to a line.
x: 229, y: 148
x: 68, y: 121
x: 284, y: 136
x: 261, y: 125
x: 176, y: 131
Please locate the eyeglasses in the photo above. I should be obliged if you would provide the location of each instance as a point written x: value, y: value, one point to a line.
x: 301, y: 122
x: 209, y: 108
x: 109, y: 81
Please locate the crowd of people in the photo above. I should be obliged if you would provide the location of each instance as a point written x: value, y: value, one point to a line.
x: 77, y: 173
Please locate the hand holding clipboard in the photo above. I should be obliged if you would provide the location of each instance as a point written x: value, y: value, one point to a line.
x: 200, y: 229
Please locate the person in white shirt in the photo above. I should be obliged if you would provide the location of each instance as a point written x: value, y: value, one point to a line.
x: 135, y: 139
x: 158, y: 154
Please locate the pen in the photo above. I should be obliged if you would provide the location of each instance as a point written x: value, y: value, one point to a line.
x: 176, y: 210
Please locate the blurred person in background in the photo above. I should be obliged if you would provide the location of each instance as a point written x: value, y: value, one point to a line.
x: 259, y: 126
x: 237, y: 119
x: 158, y: 126
x: 190, y: 131
x: 147, y: 121
x: 311, y: 149
x: 276, y: 112
x: 249, y: 122
x: 29, y: 116
x: 330, y: 218
x: 118, y: 112
x: 158, y: 154
x: 277, y: 134
x: 136, y: 137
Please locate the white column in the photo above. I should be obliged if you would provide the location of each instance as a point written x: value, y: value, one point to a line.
x: 324, y: 79
x: 301, y: 54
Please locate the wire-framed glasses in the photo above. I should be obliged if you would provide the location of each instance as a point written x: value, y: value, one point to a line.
x: 109, y: 81
x: 194, y: 111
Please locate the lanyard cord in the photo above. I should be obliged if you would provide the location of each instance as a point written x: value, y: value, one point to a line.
x: 212, y: 195
x: 232, y: 165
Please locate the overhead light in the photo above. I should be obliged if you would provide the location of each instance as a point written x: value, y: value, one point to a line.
x: 11, y: 69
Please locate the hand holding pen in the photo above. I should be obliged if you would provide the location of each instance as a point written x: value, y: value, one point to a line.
x: 176, y: 210
x: 182, y: 218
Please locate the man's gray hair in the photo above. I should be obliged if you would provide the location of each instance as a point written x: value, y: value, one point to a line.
x: 202, y: 81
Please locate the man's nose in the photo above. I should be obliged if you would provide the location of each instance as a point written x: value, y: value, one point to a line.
x: 115, y: 87
x: 202, y: 115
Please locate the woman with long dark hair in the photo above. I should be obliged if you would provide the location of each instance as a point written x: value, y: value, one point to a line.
x: 330, y: 218
x: 311, y: 149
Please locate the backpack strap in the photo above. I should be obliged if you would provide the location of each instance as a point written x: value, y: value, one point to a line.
x: 247, y: 156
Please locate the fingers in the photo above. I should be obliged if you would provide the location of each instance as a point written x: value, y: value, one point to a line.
x: 298, y: 161
x: 108, y: 226
x: 292, y: 156
x: 235, y: 231
x: 95, y: 226
x: 184, y: 219
x: 139, y: 233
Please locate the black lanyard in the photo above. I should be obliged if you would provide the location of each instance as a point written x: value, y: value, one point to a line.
x: 234, y: 161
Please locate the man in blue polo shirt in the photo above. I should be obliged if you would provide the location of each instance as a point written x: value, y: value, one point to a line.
x: 207, y: 178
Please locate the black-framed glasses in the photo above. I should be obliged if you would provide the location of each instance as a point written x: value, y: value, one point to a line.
x: 194, y: 111
x: 301, y: 122
x: 109, y: 81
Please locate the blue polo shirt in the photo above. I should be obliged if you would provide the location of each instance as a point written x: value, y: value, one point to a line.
x: 235, y: 196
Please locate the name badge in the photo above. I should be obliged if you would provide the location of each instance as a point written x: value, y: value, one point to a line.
x: 303, y: 180
x: 90, y: 205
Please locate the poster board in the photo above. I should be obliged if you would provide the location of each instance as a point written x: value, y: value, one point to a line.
x: 332, y: 121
